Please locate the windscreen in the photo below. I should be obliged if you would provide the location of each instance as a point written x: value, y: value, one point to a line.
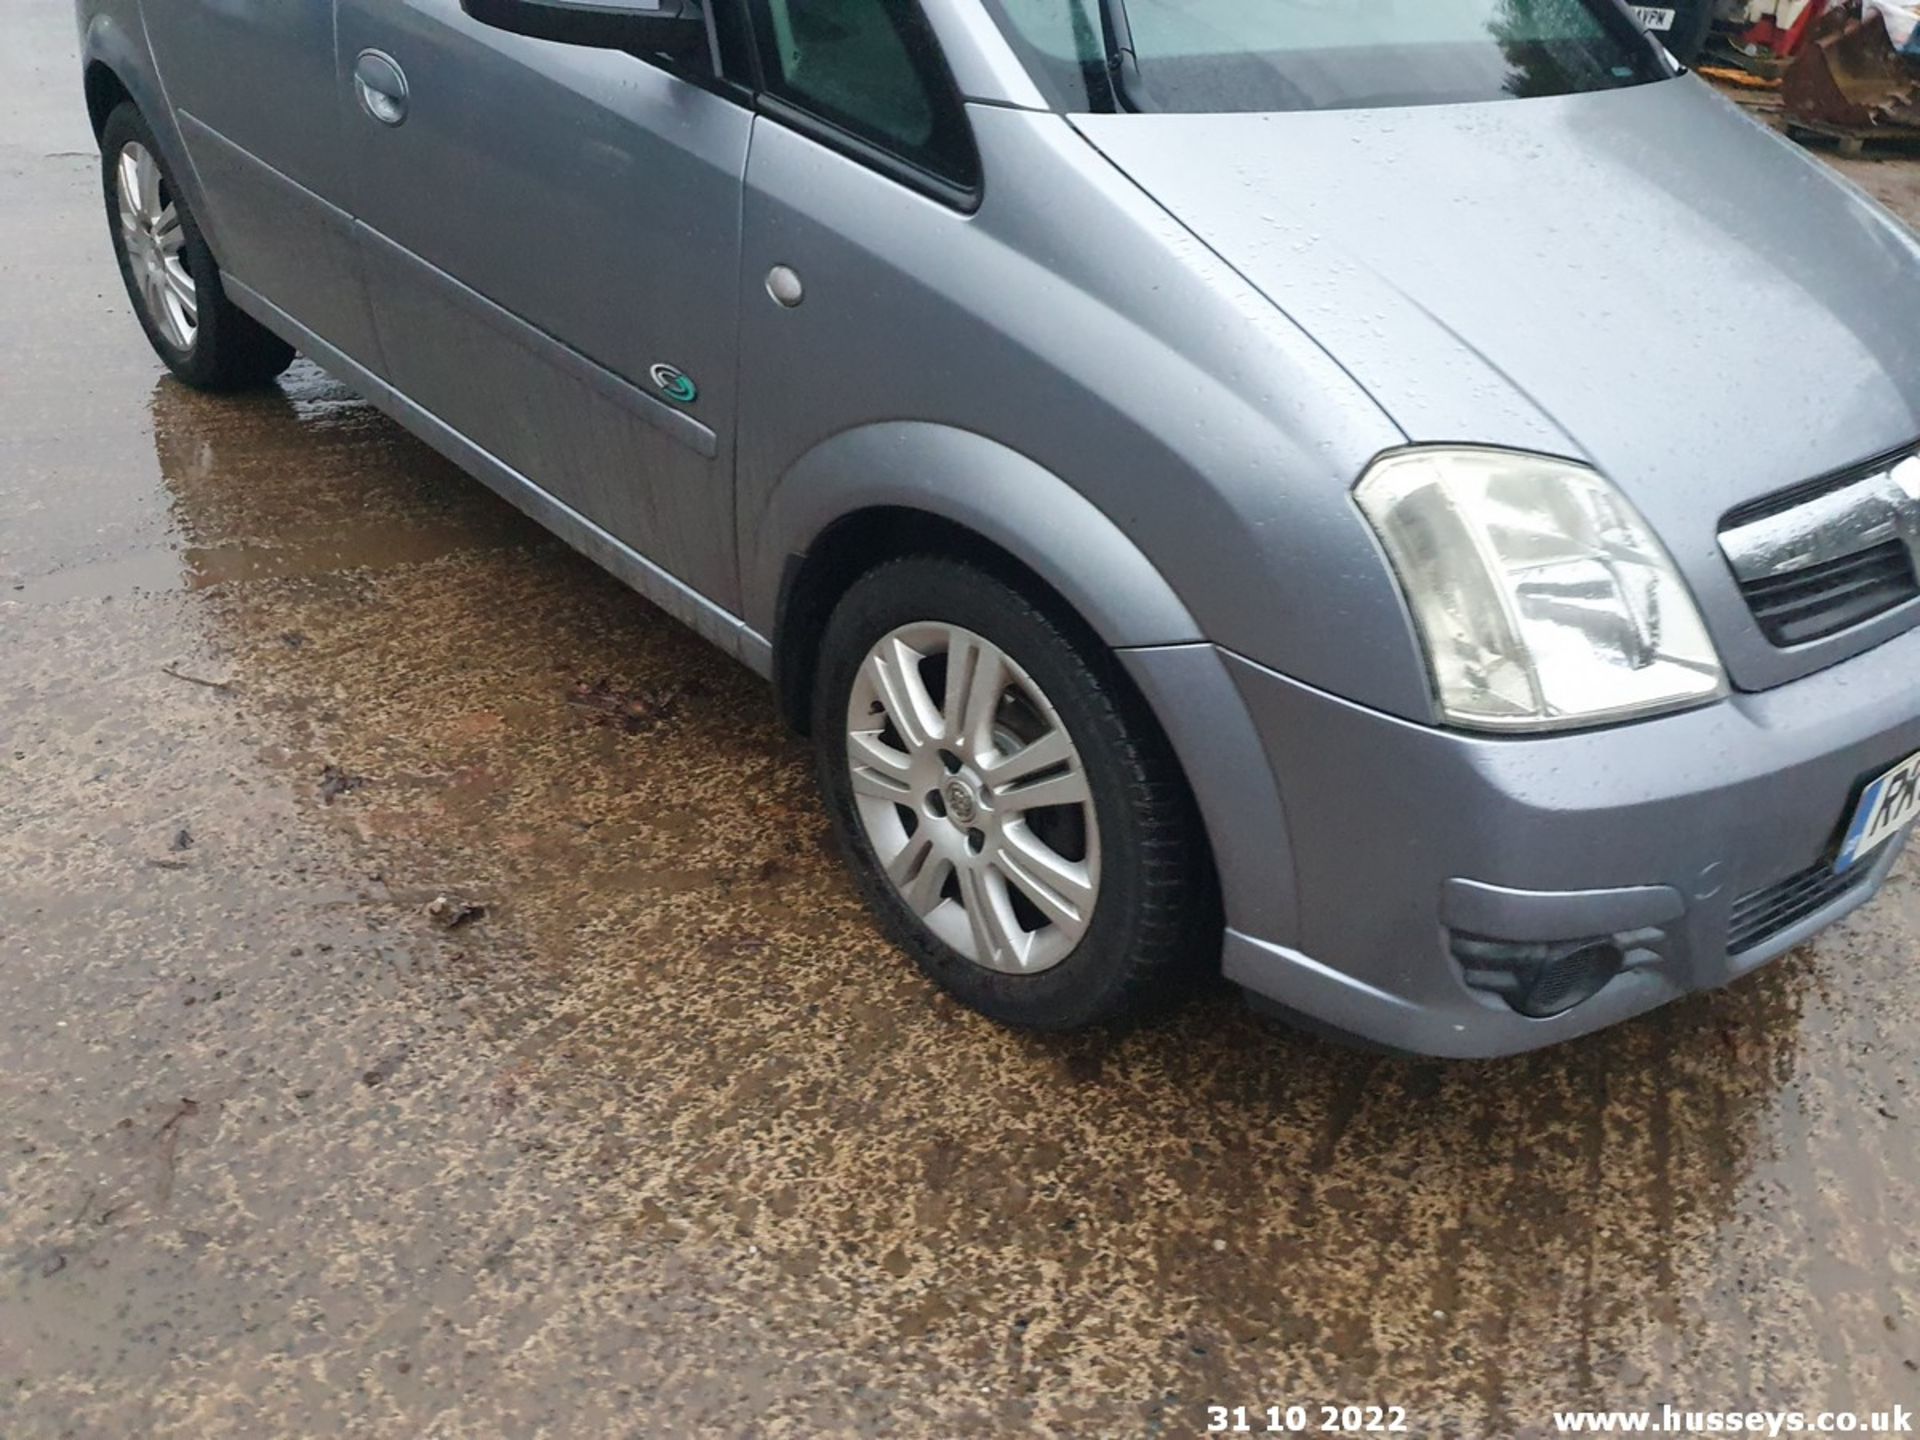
x: 1206, y: 56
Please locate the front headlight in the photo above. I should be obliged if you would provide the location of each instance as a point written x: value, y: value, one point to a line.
x: 1542, y: 597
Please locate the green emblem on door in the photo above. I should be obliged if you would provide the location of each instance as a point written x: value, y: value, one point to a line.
x: 675, y: 384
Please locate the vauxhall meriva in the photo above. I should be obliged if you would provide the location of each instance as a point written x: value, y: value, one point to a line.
x: 1221, y: 482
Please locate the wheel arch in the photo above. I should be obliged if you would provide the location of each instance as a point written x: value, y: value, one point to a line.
x: 885, y: 490
x: 895, y: 489
x: 117, y: 66
x: 105, y: 91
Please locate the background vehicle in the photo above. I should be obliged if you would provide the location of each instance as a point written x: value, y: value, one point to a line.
x: 1681, y: 25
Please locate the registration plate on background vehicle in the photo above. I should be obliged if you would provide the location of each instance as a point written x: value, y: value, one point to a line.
x: 1653, y: 17
x: 1889, y: 806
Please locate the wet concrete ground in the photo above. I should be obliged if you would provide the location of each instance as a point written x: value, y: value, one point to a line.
x: 668, y: 1142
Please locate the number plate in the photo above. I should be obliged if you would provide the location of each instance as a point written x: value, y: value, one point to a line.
x: 1888, y: 807
x: 1653, y: 16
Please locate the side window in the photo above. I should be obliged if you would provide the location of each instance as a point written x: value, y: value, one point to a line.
x: 872, y: 69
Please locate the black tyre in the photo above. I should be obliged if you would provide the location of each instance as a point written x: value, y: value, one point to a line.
x: 1008, y: 807
x: 170, y: 274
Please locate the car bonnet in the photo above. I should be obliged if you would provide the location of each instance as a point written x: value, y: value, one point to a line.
x: 1644, y: 278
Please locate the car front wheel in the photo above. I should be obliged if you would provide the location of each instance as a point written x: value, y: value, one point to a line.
x: 1007, y: 805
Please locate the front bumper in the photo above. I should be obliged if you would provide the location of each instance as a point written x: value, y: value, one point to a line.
x: 1380, y: 843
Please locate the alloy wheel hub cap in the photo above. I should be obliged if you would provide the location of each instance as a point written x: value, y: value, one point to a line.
x: 963, y: 805
x: 155, y: 237
x: 974, y: 798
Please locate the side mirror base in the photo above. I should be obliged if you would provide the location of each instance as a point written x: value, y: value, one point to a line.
x: 643, y: 27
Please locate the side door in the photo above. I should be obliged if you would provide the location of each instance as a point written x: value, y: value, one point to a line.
x: 551, y: 236
x: 253, y: 86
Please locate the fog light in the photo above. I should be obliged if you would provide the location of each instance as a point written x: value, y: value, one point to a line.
x: 1540, y: 981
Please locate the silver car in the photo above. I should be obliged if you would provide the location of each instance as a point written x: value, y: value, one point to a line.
x: 1415, y: 504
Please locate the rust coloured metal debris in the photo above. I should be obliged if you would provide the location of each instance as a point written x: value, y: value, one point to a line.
x: 1850, y: 81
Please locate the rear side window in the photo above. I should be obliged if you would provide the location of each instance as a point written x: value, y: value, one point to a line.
x: 872, y: 70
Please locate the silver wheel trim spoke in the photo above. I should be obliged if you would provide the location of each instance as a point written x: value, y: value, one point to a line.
x: 961, y: 878
x: 156, y: 247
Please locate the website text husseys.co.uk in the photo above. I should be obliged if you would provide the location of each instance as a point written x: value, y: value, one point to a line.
x: 1680, y: 1420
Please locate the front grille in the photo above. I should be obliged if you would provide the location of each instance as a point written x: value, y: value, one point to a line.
x: 1759, y: 917
x: 1810, y: 490
x: 1823, y: 600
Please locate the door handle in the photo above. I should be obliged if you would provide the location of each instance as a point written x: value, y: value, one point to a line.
x: 382, y: 86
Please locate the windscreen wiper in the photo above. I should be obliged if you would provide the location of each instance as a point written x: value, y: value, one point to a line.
x: 1123, y: 61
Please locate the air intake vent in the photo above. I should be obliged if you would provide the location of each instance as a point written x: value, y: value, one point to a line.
x: 1759, y: 917
x: 1823, y: 600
